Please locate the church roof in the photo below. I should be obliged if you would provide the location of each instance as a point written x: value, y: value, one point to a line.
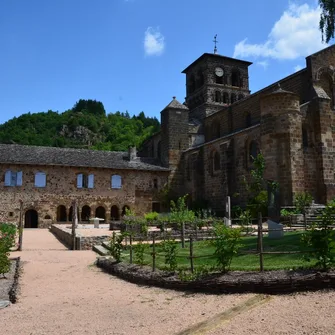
x: 203, y: 56
x: 175, y: 104
x: 34, y: 155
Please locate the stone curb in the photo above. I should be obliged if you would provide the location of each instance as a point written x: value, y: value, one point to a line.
x: 246, y: 282
x: 15, y: 289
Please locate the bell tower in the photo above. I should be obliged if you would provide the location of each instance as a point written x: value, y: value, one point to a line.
x: 213, y: 82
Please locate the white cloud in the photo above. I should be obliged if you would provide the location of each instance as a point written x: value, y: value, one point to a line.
x: 264, y: 64
x: 154, y: 43
x: 298, y: 68
x: 295, y: 34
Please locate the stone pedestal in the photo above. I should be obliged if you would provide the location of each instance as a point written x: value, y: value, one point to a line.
x: 96, y: 223
x: 276, y: 230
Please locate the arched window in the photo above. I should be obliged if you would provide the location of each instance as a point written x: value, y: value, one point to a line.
x: 215, y: 130
x: 225, y: 99
x: 217, y: 96
x: 159, y: 150
x: 116, y: 181
x: 304, y: 138
x: 40, y: 179
x: 47, y: 217
x: 233, y: 98
x: 216, y: 163
x: 326, y: 83
x: 191, y: 85
x: 200, y: 79
x: 219, y: 80
x: 248, y: 120
x: 253, y: 151
x: 240, y: 96
x: 236, y: 78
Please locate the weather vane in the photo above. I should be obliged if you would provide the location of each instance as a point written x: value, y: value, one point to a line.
x: 215, y: 42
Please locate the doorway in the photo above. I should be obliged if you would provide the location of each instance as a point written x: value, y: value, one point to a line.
x: 31, y: 219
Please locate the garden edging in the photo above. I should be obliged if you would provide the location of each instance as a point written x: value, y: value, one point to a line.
x: 268, y: 282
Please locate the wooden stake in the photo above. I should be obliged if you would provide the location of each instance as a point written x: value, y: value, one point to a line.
x: 130, y: 249
x: 260, y: 242
x: 183, y: 235
x: 74, y: 223
x: 191, y: 254
x: 153, y: 254
x: 20, y: 226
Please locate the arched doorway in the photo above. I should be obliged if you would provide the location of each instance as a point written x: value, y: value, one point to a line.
x: 85, y: 213
x: 61, y: 213
x: 115, y: 213
x: 31, y: 219
x: 100, y: 212
x: 124, y: 208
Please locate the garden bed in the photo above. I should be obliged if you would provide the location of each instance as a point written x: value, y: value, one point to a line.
x: 269, y: 282
x: 9, y: 285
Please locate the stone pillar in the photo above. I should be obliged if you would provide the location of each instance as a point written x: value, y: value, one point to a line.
x: 281, y: 142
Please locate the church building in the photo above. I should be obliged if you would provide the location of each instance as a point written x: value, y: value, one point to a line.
x: 209, y: 141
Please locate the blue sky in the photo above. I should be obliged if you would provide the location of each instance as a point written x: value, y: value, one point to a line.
x: 129, y: 54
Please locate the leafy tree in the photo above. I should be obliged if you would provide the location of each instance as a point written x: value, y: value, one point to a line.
x: 327, y: 19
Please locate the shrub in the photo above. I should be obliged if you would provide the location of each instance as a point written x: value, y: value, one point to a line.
x: 7, y: 241
x: 139, y: 250
x: 170, y: 253
x: 320, y: 238
x: 152, y: 216
x: 227, y: 242
x: 116, y: 246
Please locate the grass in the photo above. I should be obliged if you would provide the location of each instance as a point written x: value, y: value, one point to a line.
x: 243, y: 262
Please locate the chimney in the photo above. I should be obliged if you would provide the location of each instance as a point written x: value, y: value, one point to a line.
x: 132, y: 153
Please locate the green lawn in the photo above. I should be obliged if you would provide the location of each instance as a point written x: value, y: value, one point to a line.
x: 248, y: 262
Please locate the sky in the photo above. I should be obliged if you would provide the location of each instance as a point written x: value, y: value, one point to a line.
x: 129, y: 54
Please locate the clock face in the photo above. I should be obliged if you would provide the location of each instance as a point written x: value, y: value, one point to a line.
x: 218, y: 71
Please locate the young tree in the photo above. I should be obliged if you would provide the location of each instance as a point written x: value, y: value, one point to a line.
x: 327, y: 19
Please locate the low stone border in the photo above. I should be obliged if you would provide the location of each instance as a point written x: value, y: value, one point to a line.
x: 268, y: 282
x: 15, y: 289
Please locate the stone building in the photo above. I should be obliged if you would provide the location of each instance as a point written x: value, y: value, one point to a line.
x: 47, y: 180
x: 209, y: 141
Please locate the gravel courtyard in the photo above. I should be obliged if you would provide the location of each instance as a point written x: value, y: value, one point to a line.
x: 62, y: 293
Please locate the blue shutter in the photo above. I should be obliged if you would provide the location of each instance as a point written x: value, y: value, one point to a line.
x: 90, y: 181
x: 40, y: 179
x: 80, y: 180
x: 8, y: 178
x: 19, y: 178
x: 116, y: 181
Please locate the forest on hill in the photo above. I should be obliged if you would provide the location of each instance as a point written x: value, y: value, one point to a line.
x: 86, y: 125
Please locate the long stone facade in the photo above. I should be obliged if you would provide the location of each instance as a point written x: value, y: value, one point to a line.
x: 104, y: 188
x: 208, y: 141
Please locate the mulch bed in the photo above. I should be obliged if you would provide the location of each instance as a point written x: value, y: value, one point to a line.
x: 9, y: 284
x: 269, y: 282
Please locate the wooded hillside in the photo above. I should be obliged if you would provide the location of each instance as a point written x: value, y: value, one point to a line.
x: 86, y: 125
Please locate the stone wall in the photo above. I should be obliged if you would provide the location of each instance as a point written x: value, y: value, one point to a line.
x: 63, y: 233
x: 61, y: 189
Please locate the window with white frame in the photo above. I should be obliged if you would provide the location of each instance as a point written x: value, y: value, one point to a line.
x: 40, y: 179
x: 13, y: 178
x: 116, y: 181
x: 85, y: 181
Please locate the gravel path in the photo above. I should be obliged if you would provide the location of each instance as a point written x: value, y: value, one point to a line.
x: 62, y: 293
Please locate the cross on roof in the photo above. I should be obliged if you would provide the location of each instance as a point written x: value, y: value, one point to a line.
x: 215, y: 42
